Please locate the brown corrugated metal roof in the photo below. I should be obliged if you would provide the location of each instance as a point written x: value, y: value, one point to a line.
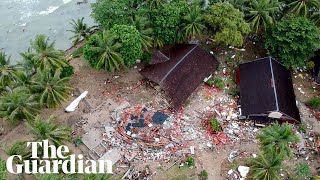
x: 182, y: 74
x: 265, y: 86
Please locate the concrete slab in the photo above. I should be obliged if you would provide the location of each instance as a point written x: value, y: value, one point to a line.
x: 92, y: 138
x: 113, y: 155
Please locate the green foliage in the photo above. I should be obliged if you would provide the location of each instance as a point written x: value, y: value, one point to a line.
x: 303, y: 169
x: 80, y: 30
x: 302, y: 128
x: 28, y: 62
x: 167, y: 19
x: 303, y: 7
x: 262, y: 13
x: 130, y: 40
x: 143, y: 25
x: 90, y: 53
x: 265, y: 166
x: 48, y: 130
x: 314, y: 102
x: 284, y: 41
x: 193, y: 23
x: 315, y: 17
x: 51, y: 88
x: 228, y: 24
x: 78, y: 52
x: 203, y: 175
x: 277, y: 138
x: 310, y: 65
x: 77, y: 141
x: 101, y: 51
x: 7, y: 71
x: 111, y: 12
x: 190, y: 161
x: 217, y: 82
x: 67, y: 71
x: 3, y: 169
x: 18, y: 105
x: 235, y: 92
x: 215, y: 124
x: 45, y: 55
x: 19, y: 148
x: 97, y: 177
x: 146, y: 57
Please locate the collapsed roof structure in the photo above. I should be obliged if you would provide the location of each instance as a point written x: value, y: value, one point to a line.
x: 179, y: 70
x: 266, y: 90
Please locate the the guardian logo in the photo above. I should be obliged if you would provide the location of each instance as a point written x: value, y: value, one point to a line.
x: 50, y: 162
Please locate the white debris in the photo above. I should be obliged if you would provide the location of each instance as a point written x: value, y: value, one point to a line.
x: 72, y: 107
x: 230, y: 171
x: 254, y: 155
x: 244, y: 170
x: 233, y: 56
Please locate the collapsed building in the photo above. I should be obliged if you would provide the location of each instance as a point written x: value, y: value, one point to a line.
x: 179, y: 70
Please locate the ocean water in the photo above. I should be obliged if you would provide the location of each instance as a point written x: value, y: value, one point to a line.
x: 22, y: 20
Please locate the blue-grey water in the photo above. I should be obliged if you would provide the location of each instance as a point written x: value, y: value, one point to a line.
x: 22, y: 20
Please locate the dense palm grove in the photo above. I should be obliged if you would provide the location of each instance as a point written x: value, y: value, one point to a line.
x: 129, y: 30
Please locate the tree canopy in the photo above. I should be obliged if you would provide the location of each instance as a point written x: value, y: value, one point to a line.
x: 293, y: 41
x: 130, y: 40
x: 227, y: 23
x: 167, y: 19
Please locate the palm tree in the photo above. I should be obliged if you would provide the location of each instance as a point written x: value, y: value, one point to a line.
x: 262, y: 13
x: 23, y: 79
x: 142, y: 24
x: 155, y: 4
x: 7, y: 71
x: 51, y: 88
x: 48, y: 130
x: 19, y: 148
x: 46, y: 56
x: 265, y: 166
x: 18, y: 104
x: 316, y: 17
x: 157, y: 42
x: 109, y: 58
x: 3, y: 169
x: 80, y: 30
x: 303, y: 7
x: 28, y: 61
x: 278, y: 138
x: 193, y: 22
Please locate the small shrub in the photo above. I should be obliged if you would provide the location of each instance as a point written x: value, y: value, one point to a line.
x: 190, y: 161
x: 203, y: 175
x: 67, y: 71
x: 77, y: 141
x: 303, y: 169
x: 302, y: 128
x: 310, y: 65
x: 146, y: 57
x: 235, y: 92
x: 90, y: 54
x: 314, y: 102
x: 78, y: 52
x: 215, y: 124
x: 217, y: 82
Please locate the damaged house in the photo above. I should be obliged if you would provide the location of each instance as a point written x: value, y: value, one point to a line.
x: 266, y: 92
x: 179, y: 70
